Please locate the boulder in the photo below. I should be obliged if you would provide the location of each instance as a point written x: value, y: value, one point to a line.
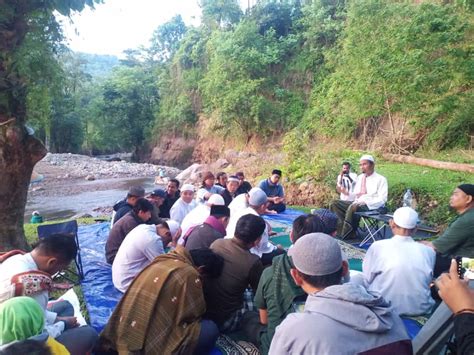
x: 192, y: 174
x: 220, y: 164
x: 90, y: 177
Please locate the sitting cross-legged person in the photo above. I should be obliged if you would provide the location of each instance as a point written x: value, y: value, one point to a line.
x: 399, y: 268
x: 31, y: 274
x: 141, y: 213
x: 139, y: 248
x: 337, y: 318
x: 212, y: 229
x: 277, y: 294
x: 162, y: 310
x: 274, y: 190
x: 225, y: 295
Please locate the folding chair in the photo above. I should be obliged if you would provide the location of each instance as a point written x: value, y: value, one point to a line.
x: 69, y: 228
x: 372, y: 228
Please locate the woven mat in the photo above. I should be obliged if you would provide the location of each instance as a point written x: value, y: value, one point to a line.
x: 230, y: 347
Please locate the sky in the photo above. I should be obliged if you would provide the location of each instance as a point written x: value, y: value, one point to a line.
x: 117, y: 25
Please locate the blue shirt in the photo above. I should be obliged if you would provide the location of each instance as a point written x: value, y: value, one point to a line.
x: 272, y: 190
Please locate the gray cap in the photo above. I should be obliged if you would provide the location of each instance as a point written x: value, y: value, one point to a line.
x: 257, y: 197
x: 316, y: 254
x: 137, y: 191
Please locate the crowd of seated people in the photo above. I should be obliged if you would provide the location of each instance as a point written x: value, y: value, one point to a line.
x: 193, y: 264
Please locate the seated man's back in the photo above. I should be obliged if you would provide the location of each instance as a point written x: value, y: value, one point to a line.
x: 401, y: 269
x: 140, y: 247
x: 241, y: 268
x: 342, y: 319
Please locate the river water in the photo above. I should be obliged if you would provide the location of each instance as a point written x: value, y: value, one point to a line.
x: 89, y: 198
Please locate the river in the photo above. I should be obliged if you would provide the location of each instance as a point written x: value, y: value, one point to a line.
x: 89, y: 196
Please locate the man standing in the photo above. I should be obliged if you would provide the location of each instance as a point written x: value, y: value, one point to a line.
x: 162, y: 310
x: 274, y: 192
x: 337, y: 319
x: 224, y: 295
x: 401, y: 269
x: 244, y: 186
x: 184, y: 205
x: 143, y: 244
x: 345, y: 183
x: 370, y: 193
x: 172, y: 195
x: 230, y: 191
x: 141, y: 213
x: 124, y: 206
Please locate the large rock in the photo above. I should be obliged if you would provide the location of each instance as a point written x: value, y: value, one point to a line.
x: 192, y: 174
x: 219, y: 164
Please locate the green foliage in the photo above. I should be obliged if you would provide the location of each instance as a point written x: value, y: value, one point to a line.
x: 220, y: 13
x: 399, y: 59
x: 166, y: 39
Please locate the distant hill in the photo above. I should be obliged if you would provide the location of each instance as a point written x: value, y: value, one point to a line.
x: 98, y: 65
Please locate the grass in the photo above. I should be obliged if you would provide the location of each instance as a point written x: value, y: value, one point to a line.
x: 431, y: 187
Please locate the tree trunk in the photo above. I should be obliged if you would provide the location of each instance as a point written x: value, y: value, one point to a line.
x: 469, y: 168
x: 19, y: 151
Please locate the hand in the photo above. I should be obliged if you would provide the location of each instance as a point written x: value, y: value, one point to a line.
x: 454, y: 291
x: 70, y: 322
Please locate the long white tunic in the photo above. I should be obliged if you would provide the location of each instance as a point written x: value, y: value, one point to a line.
x: 194, y: 218
x: 377, y: 191
x: 180, y: 209
x: 401, y: 270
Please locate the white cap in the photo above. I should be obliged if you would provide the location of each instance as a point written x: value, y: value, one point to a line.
x: 187, y: 187
x: 216, y: 199
x: 367, y: 157
x: 405, y: 217
x: 257, y: 197
x: 174, y: 226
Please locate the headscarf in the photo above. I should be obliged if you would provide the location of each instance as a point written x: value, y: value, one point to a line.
x: 20, y: 318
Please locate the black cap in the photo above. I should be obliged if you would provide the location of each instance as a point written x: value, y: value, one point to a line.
x: 276, y: 172
x: 220, y: 211
x: 468, y: 189
x: 158, y: 193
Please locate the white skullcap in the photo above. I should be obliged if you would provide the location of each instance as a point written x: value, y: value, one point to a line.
x: 405, y: 217
x: 257, y: 197
x: 367, y: 157
x: 216, y: 199
x: 187, y: 187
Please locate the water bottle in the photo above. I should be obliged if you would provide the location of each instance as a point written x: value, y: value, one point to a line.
x: 408, y: 199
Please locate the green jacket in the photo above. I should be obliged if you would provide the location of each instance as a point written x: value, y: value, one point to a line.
x: 458, y: 238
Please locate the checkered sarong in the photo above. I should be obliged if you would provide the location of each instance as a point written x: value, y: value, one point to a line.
x: 235, y: 320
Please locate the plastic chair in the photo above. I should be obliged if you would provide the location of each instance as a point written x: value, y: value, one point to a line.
x: 70, y: 228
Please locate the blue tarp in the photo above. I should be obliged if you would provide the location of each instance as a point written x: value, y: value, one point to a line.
x: 99, y: 292
x: 287, y: 217
x: 101, y: 296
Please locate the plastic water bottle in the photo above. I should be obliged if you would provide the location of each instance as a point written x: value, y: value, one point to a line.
x: 408, y: 199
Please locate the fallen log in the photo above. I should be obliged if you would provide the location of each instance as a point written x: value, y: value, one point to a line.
x: 469, y: 168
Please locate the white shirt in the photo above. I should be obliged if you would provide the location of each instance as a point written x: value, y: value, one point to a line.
x: 22, y: 263
x: 377, y: 191
x: 238, y: 203
x: 194, y: 218
x: 401, y: 270
x: 346, y: 183
x: 137, y: 250
x: 264, y: 246
x: 180, y: 209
